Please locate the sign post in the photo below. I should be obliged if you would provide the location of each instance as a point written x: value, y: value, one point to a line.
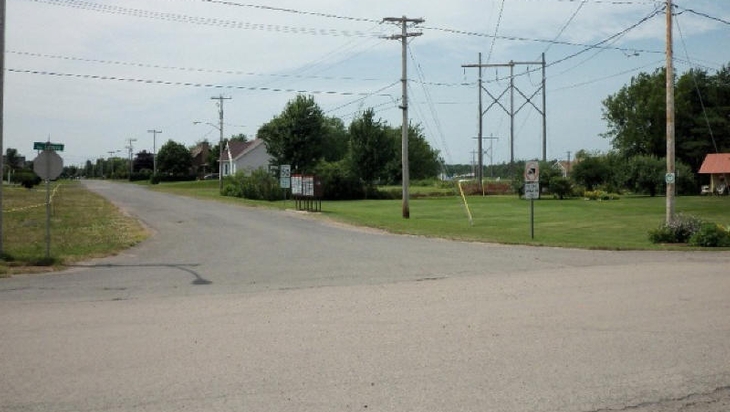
x: 532, y: 190
x: 48, y: 166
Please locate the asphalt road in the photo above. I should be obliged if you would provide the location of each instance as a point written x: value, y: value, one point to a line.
x: 228, y: 308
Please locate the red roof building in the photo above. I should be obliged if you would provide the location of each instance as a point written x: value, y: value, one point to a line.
x: 717, y: 165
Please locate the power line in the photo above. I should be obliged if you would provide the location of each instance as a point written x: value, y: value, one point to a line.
x: 232, y: 24
x: 565, y: 26
x: 718, y: 19
x: 188, y: 84
x: 185, y: 69
x: 181, y: 18
x: 496, y: 30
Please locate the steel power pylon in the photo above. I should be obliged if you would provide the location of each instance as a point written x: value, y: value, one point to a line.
x: 511, y: 111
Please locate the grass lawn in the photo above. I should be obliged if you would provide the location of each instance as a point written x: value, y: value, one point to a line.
x: 83, y: 225
x: 614, y: 224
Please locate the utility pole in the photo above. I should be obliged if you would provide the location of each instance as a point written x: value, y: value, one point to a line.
x: 220, y: 140
x: 131, y: 159
x: 511, y: 111
x: 154, y: 149
x: 671, y: 175
x: 403, y: 37
x: 2, y: 112
x: 111, y: 160
x: 567, y: 169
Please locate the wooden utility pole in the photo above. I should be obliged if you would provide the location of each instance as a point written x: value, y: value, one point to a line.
x: 154, y: 149
x: 403, y: 37
x: 220, y: 140
x: 671, y: 173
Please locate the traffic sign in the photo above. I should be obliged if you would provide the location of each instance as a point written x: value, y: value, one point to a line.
x: 669, y: 178
x: 56, y: 147
x: 48, y: 165
x: 532, y: 190
x: 532, y: 171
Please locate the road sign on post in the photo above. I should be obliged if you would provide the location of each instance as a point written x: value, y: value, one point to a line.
x: 532, y: 190
x: 532, y: 172
x: 56, y: 147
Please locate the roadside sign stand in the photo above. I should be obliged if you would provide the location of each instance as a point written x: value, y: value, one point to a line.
x: 48, y: 166
x: 532, y: 190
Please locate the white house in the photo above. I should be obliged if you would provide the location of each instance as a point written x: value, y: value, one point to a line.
x: 244, y: 157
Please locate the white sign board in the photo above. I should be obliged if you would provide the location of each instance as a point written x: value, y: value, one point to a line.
x: 285, y: 176
x: 296, y: 185
x: 532, y: 171
x: 532, y: 190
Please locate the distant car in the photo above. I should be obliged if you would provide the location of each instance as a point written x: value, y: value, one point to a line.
x: 211, y: 176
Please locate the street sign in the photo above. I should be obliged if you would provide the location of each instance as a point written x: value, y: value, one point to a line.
x: 285, y: 176
x: 532, y: 190
x: 48, y: 165
x: 669, y: 178
x: 532, y: 171
x: 56, y: 147
x: 285, y: 171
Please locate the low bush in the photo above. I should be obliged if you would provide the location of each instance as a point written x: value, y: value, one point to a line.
x: 600, y: 195
x: 710, y: 235
x: 680, y: 230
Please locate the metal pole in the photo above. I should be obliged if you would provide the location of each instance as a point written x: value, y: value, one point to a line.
x: 480, y: 173
x: 2, y: 112
x: 511, y: 113
x: 220, y: 139
x: 670, y: 119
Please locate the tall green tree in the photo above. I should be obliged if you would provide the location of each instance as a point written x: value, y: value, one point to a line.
x: 636, y: 116
x: 423, y: 160
x: 174, y: 159
x: 296, y: 136
x: 371, y: 148
x: 12, y: 159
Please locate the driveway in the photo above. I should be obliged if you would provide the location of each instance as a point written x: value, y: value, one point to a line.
x: 227, y: 308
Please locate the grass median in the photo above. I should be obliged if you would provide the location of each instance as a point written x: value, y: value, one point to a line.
x: 83, y: 225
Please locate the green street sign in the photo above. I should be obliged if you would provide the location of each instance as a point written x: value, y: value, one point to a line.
x: 56, y: 147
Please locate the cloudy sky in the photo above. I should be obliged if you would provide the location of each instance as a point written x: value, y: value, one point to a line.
x: 94, y: 74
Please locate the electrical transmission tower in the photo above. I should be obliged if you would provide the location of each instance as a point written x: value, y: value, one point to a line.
x: 511, y: 111
x: 403, y: 37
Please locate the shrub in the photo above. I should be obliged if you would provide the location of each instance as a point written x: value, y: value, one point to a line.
x: 338, y: 183
x: 26, y: 179
x: 600, y: 195
x: 560, y: 187
x: 710, y: 235
x: 680, y: 230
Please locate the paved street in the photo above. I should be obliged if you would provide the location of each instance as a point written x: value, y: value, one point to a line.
x: 227, y: 308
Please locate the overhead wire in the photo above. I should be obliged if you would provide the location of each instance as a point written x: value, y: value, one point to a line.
x: 697, y: 87
x: 187, y: 84
x: 496, y: 31
x: 431, y: 106
x: 184, y: 69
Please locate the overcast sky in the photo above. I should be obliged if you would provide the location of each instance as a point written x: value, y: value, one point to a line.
x: 93, y: 74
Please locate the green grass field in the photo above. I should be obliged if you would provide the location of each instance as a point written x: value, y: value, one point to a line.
x: 83, y: 225
x: 614, y: 224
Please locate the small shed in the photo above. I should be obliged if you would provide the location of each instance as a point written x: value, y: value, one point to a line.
x: 717, y: 165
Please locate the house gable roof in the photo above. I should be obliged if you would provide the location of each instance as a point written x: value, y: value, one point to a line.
x: 236, y: 149
x: 716, y: 163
